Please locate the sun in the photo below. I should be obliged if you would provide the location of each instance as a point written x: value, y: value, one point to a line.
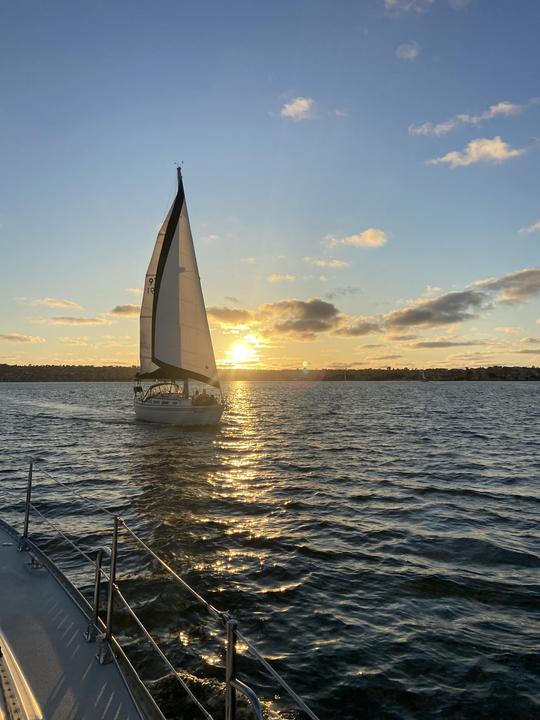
x: 241, y: 354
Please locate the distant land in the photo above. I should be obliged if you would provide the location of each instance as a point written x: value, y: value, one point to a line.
x: 114, y: 373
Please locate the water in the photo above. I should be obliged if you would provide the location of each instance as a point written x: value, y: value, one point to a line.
x: 379, y: 541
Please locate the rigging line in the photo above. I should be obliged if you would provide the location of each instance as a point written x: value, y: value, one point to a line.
x: 162, y: 654
x: 75, y: 547
x: 298, y: 700
x: 213, y: 611
x: 92, y: 503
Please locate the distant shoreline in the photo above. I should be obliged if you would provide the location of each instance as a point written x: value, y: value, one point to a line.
x: 113, y: 373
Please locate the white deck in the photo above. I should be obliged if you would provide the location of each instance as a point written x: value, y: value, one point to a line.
x: 44, y: 629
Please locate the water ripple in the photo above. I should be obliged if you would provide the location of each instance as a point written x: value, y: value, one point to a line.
x: 378, y: 540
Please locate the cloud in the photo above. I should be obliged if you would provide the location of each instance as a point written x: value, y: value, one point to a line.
x: 299, y: 319
x: 301, y: 108
x: 528, y: 351
x: 343, y: 292
x: 248, y: 260
x: 516, y: 287
x: 134, y: 291
x: 408, y: 51
x: 356, y: 327
x: 75, y: 340
x: 397, y: 6
x: 530, y: 341
x: 504, y: 109
x: 229, y: 316
x: 512, y: 330
x: 72, y: 321
x: 481, y: 150
x: 232, y: 299
x: 330, y: 263
x: 341, y: 113
x: 126, y: 310
x: 56, y: 303
x: 444, y: 310
x: 17, y: 337
x: 535, y: 227
x: 402, y: 338
x: 448, y: 343
x: 276, y: 278
x: 372, y: 237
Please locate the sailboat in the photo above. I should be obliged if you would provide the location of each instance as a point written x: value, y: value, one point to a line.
x: 174, y: 335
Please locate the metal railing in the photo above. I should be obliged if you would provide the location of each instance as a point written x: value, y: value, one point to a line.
x: 101, y: 631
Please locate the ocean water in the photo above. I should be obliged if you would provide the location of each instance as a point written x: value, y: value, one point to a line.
x: 378, y: 541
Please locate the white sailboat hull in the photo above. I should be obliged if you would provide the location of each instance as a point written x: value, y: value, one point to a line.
x: 177, y: 413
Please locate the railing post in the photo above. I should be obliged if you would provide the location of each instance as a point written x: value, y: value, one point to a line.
x: 105, y: 653
x: 22, y: 543
x: 230, y: 670
x: 92, y: 629
x: 112, y: 580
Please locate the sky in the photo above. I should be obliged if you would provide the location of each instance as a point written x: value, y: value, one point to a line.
x: 361, y: 177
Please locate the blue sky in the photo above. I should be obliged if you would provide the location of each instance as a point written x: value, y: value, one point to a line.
x: 301, y: 126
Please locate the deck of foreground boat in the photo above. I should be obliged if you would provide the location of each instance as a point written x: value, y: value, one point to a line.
x: 44, y: 629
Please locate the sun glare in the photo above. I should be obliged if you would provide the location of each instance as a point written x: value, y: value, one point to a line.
x: 241, y: 354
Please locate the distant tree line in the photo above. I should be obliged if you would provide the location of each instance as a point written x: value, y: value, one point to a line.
x: 110, y: 373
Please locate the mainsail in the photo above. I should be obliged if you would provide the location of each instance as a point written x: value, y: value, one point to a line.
x: 175, y: 338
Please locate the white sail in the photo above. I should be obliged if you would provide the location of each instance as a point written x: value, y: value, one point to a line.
x: 175, y: 338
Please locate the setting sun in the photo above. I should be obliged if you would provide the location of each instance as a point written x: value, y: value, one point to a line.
x: 241, y: 354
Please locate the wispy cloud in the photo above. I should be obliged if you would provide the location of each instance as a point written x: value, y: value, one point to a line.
x: 301, y: 108
x: 346, y: 291
x: 75, y: 340
x: 372, y: 237
x: 481, y: 150
x: 277, y: 278
x: 500, y: 109
x: 18, y: 338
x: 71, y: 321
x: 134, y: 291
x: 447, y: 309
x: 516, y: 287
x: 408, y: 51
x: 448, y: 343
x: 509, y: 330
x: 535, y: 227
x: 417, y: 6
x: 126, y: 310
x: 49, y: 302
x: 330, y: 263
